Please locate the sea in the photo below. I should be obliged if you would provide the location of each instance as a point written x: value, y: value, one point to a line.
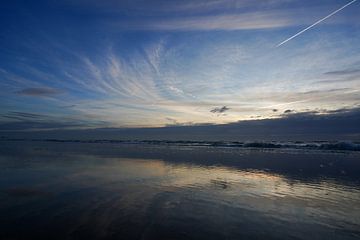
x: 106, y: 189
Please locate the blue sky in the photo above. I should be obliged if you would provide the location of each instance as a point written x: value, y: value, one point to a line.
x: 79, y: 64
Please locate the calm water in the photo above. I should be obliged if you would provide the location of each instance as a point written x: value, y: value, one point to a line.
x: 114, y: 191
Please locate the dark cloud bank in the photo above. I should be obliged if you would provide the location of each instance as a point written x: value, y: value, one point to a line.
x: 23, y: 121
x: 39, y: 92
x: 220, y: 109
x: 342, y: 124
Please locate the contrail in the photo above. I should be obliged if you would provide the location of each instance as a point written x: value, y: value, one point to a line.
x: 304, y: 30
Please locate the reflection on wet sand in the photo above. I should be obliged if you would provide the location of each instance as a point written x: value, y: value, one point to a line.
x: 87, y: 195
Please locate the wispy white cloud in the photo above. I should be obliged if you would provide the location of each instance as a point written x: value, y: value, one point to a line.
x: 183, y: 76
x: 245, y: 21
x: 164, y: 7
x: 155, y: 83
x: 225, y: 15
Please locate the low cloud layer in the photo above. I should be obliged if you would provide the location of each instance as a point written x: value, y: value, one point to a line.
x: 343, y: 72
x: 39, y: 92
x: 341, y: 124
x: 23, y: 121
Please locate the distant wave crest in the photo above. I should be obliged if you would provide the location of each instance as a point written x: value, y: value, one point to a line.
x: 317, y: 145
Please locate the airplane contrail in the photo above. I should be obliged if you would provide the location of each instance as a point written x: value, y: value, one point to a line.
x: 311, y: 26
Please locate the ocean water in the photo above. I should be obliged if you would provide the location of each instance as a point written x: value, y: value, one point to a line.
x: 79, y: 190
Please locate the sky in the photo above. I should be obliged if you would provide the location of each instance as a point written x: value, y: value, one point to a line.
x: 115, y: 64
